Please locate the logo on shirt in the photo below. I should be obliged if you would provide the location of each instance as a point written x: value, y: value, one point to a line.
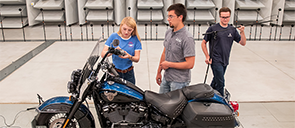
x: 229, y: 35
x: 130, y: 44
x: 178, y: 40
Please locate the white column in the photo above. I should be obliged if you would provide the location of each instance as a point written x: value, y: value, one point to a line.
x: 119, y: 10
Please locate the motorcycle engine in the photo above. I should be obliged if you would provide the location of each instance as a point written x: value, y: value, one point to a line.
x: 130, y: 113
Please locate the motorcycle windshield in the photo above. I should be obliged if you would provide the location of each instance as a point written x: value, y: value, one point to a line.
x: 88, y: 67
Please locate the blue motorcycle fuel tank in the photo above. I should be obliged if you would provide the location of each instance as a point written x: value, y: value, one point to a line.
x: 116, y: 92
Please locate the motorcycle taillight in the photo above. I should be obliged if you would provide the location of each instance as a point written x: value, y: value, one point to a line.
x: 235, y: 105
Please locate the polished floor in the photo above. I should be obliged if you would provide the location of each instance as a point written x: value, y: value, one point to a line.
x: 261, y: 77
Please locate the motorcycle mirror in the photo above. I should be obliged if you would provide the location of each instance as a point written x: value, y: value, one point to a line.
x: 116, y: 42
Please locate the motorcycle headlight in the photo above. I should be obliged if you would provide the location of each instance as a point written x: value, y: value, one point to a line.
x: 71, y: 87
x: 76, y: 74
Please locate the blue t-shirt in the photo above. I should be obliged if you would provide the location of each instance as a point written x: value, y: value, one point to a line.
x: 222, y: 45
x: 128, y: 45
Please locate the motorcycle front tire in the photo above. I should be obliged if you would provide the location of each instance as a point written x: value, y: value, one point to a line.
x: 55, y: 120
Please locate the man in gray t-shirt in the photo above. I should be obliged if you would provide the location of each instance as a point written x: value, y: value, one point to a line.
x: 178, y: 56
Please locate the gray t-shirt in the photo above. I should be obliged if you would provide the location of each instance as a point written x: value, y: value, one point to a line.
x: 178, y: 45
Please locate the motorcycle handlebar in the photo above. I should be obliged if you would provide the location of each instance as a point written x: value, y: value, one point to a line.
x: 110, y: 67
x: 113, y: 70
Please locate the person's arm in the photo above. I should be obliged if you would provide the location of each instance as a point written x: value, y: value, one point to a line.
x: 136, y: 56
x: 243, y: 37
x: 188, y: 49
x: 205, y: 51
x: 187, y: 64
x: 159, y: 75
x: 104, y: 51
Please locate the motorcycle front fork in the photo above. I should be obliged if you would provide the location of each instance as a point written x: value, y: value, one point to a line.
x: 77, y: 103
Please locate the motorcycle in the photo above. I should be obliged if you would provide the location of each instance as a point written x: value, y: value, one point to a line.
x: 119, y: 103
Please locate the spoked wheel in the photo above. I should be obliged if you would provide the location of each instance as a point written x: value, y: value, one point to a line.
x: 57, y: 123
x: 81, y: 119
x: 57, y: 120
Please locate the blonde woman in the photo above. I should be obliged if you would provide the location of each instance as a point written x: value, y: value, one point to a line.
x: 130, y: 43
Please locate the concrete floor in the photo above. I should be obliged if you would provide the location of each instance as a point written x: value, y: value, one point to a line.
x: 260, y: 77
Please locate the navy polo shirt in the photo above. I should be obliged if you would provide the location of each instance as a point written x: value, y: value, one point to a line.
x: 222, y: 45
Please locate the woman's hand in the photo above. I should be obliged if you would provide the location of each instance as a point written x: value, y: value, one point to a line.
x: 126, y: 56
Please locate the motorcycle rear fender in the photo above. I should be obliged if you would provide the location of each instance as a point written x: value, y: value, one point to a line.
x: 216, y: 98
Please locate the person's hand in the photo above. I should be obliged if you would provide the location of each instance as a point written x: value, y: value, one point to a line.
x: 126, y: 56
x: 159, y: 79
x: 241, y: 28
x: 208, y: 60
x: 165, y: 65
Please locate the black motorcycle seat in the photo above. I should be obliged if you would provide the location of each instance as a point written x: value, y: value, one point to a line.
x: 171, y: 103
x: 197, y: 91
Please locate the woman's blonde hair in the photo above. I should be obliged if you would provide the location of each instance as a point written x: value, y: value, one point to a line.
x: 130, y: 22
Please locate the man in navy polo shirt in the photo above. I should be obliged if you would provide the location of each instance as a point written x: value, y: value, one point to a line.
x: 220, y: 47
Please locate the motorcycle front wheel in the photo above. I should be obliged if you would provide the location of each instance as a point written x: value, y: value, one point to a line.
x: 55, y: 120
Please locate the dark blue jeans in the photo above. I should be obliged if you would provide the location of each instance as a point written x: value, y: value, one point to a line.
x: 129, y: 76
x: 218, y: 79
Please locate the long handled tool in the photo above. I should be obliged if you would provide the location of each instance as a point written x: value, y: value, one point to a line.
x: 206, y: 74
x: 210, y: 51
